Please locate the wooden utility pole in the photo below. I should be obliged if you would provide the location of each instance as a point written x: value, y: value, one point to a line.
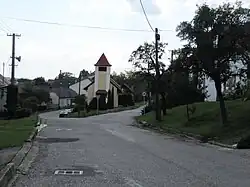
x: 79, y: 93
x: 157, y: 102
x: 13, y: 57
x: 3, y: 72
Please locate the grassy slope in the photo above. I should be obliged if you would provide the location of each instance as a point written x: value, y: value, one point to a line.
x: 15, y: 132
x: 206, y: 120
x: 93, y: 112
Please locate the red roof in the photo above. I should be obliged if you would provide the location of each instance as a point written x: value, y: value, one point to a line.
x: 103, y: 61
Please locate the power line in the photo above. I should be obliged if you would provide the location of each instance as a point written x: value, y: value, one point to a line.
x: 5, y: 26
x: 82, y: 26
x: 3, y: 29
x: 146, y: 16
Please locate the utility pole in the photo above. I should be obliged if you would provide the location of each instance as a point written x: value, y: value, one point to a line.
x: 3, y: 72
x: 149, y: 96
x: 157, y: 102
x: 13, y: 57
x: 79, y: 92
x: 172, y: 55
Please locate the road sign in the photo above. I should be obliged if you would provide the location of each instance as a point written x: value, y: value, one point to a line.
x: 144, y: 94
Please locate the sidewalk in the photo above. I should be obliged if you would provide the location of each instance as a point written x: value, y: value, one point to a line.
x: 6, y: 155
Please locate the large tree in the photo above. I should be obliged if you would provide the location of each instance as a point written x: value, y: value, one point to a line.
x: 216, y: 40
x: 144, y: 61
x: 64, y: 79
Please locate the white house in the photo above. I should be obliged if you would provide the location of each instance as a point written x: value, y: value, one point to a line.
x: 99, y: 84
x: 62, y: 97
x: 4, y: 82
x: 84, y: 82
x: 211, y: 90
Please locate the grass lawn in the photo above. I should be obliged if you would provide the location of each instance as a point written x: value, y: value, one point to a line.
x: 93, y: 112
x: 206, y: 120
x: 15, y: 132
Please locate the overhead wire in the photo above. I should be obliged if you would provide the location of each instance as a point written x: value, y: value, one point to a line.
x: 5, y: 25
x: 81, y: 26
x: 145, y: 14
x: 3, y: 29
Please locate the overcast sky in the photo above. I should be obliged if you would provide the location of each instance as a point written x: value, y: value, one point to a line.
x: 47, y: 49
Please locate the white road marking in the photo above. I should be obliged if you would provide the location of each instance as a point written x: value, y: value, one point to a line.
x: 63, y: 129
x: 132, y: 183
x: 226, y: 149
x: 115, y: 133
x: 40, y: 127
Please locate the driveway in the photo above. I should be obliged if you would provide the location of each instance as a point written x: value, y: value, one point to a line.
x: 107, y: 151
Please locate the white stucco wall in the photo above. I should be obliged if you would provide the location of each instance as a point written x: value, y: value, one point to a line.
x: 212, y: 94
x: 64, y: 102
x: 3, y: 98
x: 84, y: 83
x: 91, y: 94
x: 54, y: 98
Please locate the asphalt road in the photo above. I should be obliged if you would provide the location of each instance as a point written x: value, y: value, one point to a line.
x: 106, y: 150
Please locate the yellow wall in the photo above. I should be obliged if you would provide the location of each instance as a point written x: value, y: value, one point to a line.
x: 102, y: 81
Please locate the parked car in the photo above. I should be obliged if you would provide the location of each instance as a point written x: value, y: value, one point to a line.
x: 63, y: 113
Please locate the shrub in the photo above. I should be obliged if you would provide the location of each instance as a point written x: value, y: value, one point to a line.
x: 110, y: 103
x: 4, y: 114
x: 126, y: 100
x: 102, y: 103
x: 11, y: 101
x: 147, y: 109
x: 93, y: 103
x: 244, y: 143
x: 23, y: 112
x: 41, y: 108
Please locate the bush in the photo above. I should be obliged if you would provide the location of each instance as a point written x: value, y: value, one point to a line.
x: 4, y: 114
x: 23, y: 112
x: 93, y: 103
x: 244, y: 143
x: 102, y: 103
x: 41, y: 108
x: 147, y: 109
x: 126, y: 100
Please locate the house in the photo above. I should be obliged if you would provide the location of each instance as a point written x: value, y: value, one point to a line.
x: 100, y: 84
x: 211, y: 90
x: 62, y: 97
x: 85, y: 81
x: 4, y: 82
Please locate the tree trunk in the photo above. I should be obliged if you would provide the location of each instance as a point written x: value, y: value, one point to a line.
x: 164, y: 104
x: 187, y: 110
x: 221, y: 100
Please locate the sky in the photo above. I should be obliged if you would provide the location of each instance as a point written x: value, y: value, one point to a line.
x: 47, y: 49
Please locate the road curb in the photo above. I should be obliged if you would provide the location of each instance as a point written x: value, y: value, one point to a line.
x: 9, y: 171
x: 144, y: 124
x: 221, y: 144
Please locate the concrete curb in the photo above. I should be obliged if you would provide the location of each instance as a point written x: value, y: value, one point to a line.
x: 183, y: 134
x: 9, y: 171
x: 221, y: 144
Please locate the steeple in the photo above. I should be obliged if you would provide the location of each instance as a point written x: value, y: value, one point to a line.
x: 102, y: 75
x: 103, y: 61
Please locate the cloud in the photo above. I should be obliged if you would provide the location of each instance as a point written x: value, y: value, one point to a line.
x: 149, y: 5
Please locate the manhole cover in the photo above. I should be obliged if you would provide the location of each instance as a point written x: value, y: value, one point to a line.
x: 68, y: 172
x: 56, y: 140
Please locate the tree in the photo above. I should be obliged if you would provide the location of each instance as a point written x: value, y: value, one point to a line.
x: 215, y: 39
x: 39, y: 81
x: 64, y: 79
x: 143, y: 59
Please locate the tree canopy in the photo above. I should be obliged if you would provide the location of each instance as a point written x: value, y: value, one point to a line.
x: 217, y: 43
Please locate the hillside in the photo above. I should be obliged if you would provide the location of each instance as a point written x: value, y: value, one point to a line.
x: 206, y: 120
